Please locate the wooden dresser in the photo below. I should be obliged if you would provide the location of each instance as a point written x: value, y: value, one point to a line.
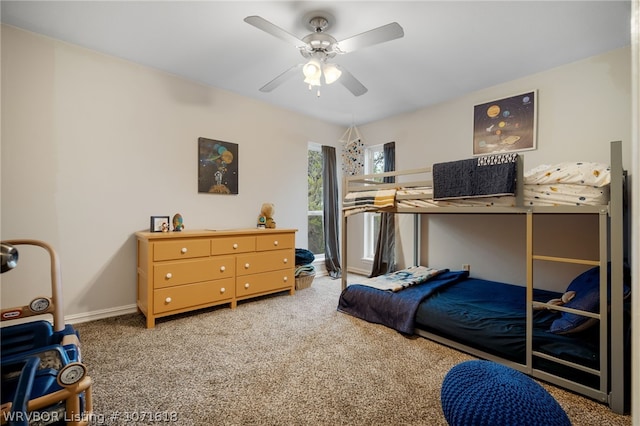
x: 183, y: 271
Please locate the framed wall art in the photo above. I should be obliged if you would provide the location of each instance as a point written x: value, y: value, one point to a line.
x: 505, y: 125
x: 217, y: 166
x: 159, y: 224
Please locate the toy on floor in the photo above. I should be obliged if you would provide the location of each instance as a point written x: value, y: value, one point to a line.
x: 43, y: 378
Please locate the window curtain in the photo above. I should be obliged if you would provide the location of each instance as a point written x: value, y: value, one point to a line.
x: 384, y: 260
x: 330, y: 211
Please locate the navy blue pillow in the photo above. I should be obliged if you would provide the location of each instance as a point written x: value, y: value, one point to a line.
x: 587, y: 298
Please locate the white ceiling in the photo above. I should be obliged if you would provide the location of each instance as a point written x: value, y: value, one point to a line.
x: 450, y: 48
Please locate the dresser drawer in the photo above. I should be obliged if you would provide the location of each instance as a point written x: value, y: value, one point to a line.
x: 275, y: 242
x: 256, y: 263
x: 230, y: 245
x: 185, y: 296
x: 183, y: 249
x: 168, y: 274
x: 260, y: 283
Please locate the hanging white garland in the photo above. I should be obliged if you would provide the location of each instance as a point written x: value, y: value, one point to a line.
x: 352, y: 152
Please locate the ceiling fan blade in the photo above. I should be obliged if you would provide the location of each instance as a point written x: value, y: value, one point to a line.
x: 378, y: 35
x: 350, y: 82
x: 274, y: 30
x: 281, y: 78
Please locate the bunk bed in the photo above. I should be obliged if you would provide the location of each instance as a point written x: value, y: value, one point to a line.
x: 526, y: 328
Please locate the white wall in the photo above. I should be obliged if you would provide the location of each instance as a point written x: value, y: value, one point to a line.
x: 581, y: 108
x: 92, y: 146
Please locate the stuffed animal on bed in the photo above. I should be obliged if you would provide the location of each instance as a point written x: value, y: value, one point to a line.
x: 564, y: 299
x: 265, y: 219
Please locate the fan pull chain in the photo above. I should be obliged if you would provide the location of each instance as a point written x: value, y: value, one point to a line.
x: 317, y: 93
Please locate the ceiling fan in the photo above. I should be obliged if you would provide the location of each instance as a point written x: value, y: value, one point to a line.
x: 319, y: 46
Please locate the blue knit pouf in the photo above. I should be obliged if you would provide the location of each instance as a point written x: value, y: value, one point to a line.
x: 478, y: 393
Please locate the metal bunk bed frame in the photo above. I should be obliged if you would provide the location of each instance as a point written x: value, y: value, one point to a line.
x: 611, y: 372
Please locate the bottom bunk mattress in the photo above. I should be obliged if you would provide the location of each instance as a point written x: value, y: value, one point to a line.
x: 491, y: 316
x: 484, y: 315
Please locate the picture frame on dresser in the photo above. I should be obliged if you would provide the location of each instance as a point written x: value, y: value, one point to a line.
x: 156, y: 222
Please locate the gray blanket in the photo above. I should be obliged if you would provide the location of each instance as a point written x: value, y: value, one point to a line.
x: 488, y: 176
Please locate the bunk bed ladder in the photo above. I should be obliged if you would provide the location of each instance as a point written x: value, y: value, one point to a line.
x: 602, y: 371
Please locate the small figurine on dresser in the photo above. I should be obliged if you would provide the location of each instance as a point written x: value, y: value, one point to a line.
x: 265, y: 219
x: 178, y: 225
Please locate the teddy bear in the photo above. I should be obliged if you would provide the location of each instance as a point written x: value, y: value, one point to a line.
x: 265, y: 219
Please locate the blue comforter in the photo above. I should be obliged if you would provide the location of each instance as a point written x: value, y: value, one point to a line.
x: 393, y: 309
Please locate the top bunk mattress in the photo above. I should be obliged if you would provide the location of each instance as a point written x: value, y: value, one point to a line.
x: 562, y: 184
x: 533, y: 195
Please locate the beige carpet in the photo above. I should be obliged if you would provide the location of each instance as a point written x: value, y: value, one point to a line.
x: 279, y: 360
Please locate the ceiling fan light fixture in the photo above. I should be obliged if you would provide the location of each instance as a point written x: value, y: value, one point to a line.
x: 331, y: 73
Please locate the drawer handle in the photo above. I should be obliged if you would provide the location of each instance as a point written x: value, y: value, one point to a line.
x: 222, y: 290
x: 167, y: 300
x: 169, y: 275
x: 246, y: 285
x: 275, y: 243
x: 183, y: 250
x: 286, y: 260
x: 246, y: 266
x: 286, y: 279
x: 222, y: 269
x: 235, y: 246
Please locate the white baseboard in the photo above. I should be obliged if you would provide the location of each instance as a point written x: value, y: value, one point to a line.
x: 78, y: 318
x: 321, y: 269
x: 358, y: 271
x: 101, y: 314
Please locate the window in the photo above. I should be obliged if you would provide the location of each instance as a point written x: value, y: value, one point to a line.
x: 315, y: 207
x: 373, y: 163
